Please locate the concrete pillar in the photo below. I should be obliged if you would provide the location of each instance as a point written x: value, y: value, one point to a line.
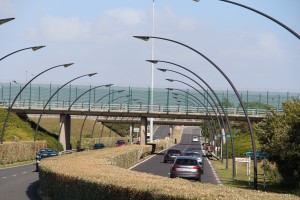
x: 143, y: 131
x: 171, y: 131
x: 65, y: 133
x: 131, y: 131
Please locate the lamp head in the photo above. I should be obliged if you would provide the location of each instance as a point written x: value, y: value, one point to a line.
x: 92, y: 74
x: 176, y: 94
x: 171, y: 80
x: 108, y: 85
x: 163, y: 70
x: 68, y: 65
x: 145, y: 38
x: 196, y: 0
x: 152, y: 61
x: 169, y: 88
x: 120, y: 91
x: 37, y: 48
x: 2, y: 21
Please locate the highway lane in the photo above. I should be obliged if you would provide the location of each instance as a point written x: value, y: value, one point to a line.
x: 19, y: 182
x: 155, y: 165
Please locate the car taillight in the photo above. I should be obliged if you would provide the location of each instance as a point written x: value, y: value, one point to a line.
x: 175, y: 167
x: 196, y: 167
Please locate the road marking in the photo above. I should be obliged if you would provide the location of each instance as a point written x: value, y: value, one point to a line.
x: 24, y: 172
x: 144, y: 160
x: 214, y: 173
x: 14, y: 175
x: 4, y: 177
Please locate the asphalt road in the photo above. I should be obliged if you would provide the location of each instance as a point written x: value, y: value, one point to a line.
x: 18, y: 183
x: 155, y: 165
x: 22, y: 182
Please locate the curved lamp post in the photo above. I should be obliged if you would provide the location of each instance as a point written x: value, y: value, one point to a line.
x: 119, y: 91
x: 37, y: 126
x: 215, y: 129
x: 221, y: 126
x: 10, y: 107
x: 216, y: 96
x: 107, y: 85
x: 265, y: 15
x: 146, y: 38
x: 35, y: 48
x: 3, y: 21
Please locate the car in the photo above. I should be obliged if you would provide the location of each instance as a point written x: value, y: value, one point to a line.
x: 171, y: 154
x: 195, y: 139
x: 44, y: 150
x: 186, y: 167
x: 43, y: 156
x: 98, y: 146
x: 120, y: 143
x: 198, y: 155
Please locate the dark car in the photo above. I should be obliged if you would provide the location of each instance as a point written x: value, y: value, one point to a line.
x: 186, y: 167
x: 43, y: 156
x: 120, y: 143
x: 171, y: 154
x: 98, y: 146
x: 45, y: 150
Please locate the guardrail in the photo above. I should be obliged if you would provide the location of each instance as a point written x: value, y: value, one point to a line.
x: 134, y: 107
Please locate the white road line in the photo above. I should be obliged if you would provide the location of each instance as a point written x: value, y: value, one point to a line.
x: 214, y: 173
x: 14, y: 175
x: 4, y: 177
x: 144, y: 160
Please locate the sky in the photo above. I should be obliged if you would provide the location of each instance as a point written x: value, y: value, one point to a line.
x: 255, y: 53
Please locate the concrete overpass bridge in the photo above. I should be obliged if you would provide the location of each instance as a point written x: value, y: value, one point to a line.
x: 132, y: 114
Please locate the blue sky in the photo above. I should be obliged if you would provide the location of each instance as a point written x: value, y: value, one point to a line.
x: 254, y: 52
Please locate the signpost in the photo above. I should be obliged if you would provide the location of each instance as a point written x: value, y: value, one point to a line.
x: 264, y: 155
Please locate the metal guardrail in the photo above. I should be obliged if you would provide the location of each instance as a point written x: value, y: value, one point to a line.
x: 134, y: 107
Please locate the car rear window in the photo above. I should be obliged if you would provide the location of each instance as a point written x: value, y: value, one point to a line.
x: 186, y: 162
x: 174, y: 151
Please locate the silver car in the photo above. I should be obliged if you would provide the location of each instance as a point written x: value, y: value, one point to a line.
x: 186, y: 167
x: 198, y: 156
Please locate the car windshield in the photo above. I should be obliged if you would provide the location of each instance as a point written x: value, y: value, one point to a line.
x: 121, y: 142
x: 193, y: 154
x: 186, y: 162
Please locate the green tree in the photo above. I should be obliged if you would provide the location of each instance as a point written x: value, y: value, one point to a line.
x: 279, y: 135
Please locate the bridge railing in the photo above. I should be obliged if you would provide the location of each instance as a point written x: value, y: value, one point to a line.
x: 134, y: 107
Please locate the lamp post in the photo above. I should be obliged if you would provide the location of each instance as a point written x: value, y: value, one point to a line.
x: 10, y: 107
x: 200, y: 103
x: 221, y: 126
x: 35, y: 48
x: 265, y: 15
x: 3, y: 21
x: 219, y: 102
x: 146, y: 38
x: 119, y: 91
x: 107, y: 85
x: 39, y: 120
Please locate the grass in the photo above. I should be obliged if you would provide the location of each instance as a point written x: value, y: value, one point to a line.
x: 241, y: 179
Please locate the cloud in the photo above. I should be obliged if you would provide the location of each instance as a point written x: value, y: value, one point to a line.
x: 60, y: 29
x: 126, y: 16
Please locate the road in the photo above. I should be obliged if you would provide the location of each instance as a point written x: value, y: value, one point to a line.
x: 19, y: 183
x: 155, y: 164
x: 22, y: 182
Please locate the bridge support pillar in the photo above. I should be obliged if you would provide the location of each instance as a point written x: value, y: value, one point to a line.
x: 131, y: 131
x: 143, y: 130
x: 171, y: 131
x: 65, y: 133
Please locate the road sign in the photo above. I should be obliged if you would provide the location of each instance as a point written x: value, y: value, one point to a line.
x: 227, y: 135
x: 258, y: 154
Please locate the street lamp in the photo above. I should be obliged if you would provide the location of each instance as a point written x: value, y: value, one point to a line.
x: 119, y: 91
x: 37, y: 126
x: 265, y: 15
x: 10, y: 107
x: 107, y: 85
x: 216, y: 96
x: 35, y: 48
x: 146, y: 38
x: 3, y: 21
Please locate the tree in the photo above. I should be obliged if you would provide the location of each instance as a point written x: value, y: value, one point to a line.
x: 279, y: 135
